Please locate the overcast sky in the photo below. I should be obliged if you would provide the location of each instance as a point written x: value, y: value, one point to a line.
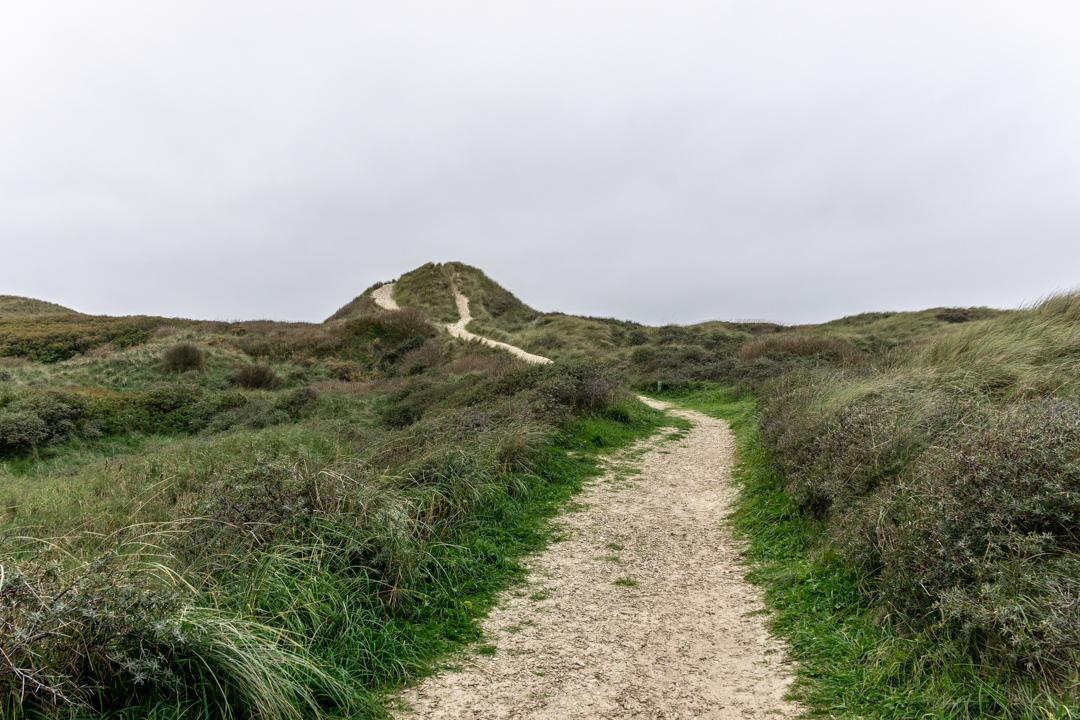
x: 658, y: 161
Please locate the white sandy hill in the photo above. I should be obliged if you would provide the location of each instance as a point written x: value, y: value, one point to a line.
x: 383, y: 297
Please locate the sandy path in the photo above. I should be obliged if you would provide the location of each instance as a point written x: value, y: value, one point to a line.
x: 678, y: 643
x: 382, y: 297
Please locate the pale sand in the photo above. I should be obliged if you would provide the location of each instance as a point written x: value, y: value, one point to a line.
x: 681, y: 643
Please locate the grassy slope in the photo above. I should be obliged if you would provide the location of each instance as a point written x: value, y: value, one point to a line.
x: 853, y: 665
x: 15, y: 306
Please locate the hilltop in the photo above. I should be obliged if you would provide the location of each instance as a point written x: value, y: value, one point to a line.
x: 15, y: 306
x: 670, y: 353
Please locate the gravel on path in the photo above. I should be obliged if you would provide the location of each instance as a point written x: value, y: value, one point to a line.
x: 641, y: 611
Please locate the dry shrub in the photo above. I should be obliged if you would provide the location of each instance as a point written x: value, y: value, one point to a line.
x: 258, y: 377
x: 166, y: 331
x: 183, y: 357
x: 102, y: 351
x: 64, y: 636
x: 799, y: 345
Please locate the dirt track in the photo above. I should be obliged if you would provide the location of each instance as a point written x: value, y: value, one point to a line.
x: 673, y: 638
x: 383, y: 296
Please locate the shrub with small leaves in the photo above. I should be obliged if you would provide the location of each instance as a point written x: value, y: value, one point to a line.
x: 21, y: 431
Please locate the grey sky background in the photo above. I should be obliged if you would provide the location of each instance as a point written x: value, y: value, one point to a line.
x: 659, y: 161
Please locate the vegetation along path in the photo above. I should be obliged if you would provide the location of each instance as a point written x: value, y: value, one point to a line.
x: 641, y: 611
x: 383, y: 297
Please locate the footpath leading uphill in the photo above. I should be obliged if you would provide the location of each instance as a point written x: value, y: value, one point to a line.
x: 383, y: 297
x: 642, y: 611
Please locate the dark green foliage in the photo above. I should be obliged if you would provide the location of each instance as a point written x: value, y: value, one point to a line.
x: 549, y: 392
x: 954, y: 315
x: 21, y: 431
x: 32, y: 418
x: 948, y: 479
x: 258, y: 377
x: 183, y: 357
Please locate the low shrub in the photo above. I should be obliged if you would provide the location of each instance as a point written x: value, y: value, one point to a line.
x: 258, y: 377
x: 954, y: 315
x: 21, y: 431
x: 183, y: 357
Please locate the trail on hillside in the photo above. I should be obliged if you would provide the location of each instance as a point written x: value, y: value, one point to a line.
x: 383, y: 297
x: 642, y: 611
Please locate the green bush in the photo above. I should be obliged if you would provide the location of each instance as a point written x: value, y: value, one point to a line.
x: 949, y: 477
x: 21, y: 430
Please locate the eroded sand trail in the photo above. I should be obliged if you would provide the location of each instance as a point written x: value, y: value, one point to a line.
x: 383, y: 297
x: 673, y: 638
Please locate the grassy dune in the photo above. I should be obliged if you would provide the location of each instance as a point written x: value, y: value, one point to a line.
x: 280, y: 520
x: 268, y: 519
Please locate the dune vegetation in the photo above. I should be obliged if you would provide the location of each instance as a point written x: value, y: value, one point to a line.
x: 268, y: 519
x: 913, y: 509
x: 263, y: 519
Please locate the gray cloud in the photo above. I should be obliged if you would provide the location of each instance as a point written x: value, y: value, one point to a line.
x: 666, y: 162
